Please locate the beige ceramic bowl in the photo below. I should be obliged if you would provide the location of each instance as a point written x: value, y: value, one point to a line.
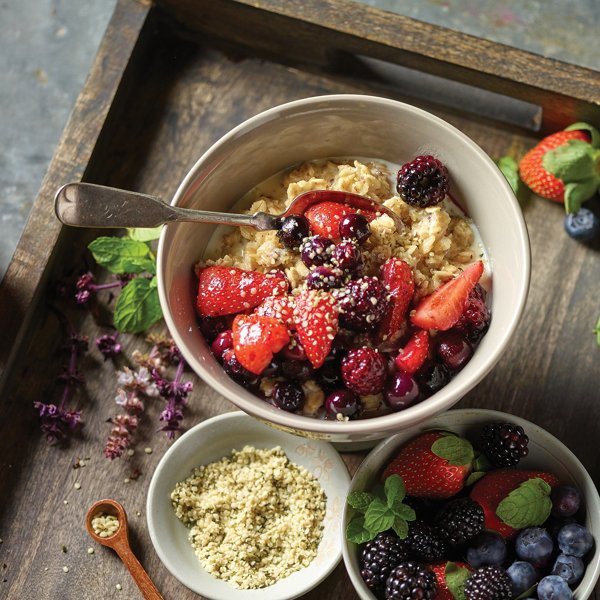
x: 330, y: 126
x: 545, y: 453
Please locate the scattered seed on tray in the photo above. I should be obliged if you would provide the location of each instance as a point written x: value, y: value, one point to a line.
x: 90, y: 551
x: 148, y: 450
x: 77, y: 485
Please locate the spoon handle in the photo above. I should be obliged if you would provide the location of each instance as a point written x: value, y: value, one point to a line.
x: 91, y: 205
x: 142, y: 579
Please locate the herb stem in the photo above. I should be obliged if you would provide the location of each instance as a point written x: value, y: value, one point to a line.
x: 104, y: 286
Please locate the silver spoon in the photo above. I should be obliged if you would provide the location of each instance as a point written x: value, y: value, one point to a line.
x: 90, y: 205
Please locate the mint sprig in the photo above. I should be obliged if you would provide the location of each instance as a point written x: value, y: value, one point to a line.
x: 456, y: 577
x: 596, y: 331
x: 138, y: 306
x: 528, y: 505
x: 381, y: 511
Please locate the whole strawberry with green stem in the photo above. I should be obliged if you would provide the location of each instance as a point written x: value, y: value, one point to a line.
x: 565, y: 166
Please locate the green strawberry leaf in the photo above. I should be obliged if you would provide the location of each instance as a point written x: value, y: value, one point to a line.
x: 400, y: 527
x: 456, y: 578
x: 378, y: 517
x: 510, y: 169
x: 577, y: 192
x: 527, y: 593
x: 474, y: 477
x: 357, y: 533
x: 597, y: 332
x: 394, y: 489
x: 581, y: 126
x: 456, y: 450
x: 145, y: 234
x: 360, y: 500
x: 123, y: 255
x: 482, y: 463
x: 138, y: 306
x: 573, y: 161
x: 526, y: 506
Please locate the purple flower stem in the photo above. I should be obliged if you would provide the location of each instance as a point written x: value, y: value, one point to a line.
x: 104, y: 286
x: 71, y: 370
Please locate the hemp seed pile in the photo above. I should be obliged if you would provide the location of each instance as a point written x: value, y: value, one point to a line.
x: 254, y: 517
x: 105, y: 525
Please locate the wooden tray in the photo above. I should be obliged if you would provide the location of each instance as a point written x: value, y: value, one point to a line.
x: 169, y: 79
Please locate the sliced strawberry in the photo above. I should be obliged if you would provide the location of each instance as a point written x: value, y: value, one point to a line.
x: 256, y: 339
x: 325, y: 217
x: 430, y: 475
x: 489, y: 491
x: 456, y: 572
x: 414, y: 354
x: 316, y: 317
x: 442, y: 309
x: 228, y: 290
x: 399, y: 281
x: 279, y: 307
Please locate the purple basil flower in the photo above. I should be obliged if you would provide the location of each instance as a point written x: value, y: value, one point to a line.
x: 109, y: 346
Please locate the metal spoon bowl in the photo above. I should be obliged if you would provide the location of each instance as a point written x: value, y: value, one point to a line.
x: 90, y: 205
x: 119, y: 542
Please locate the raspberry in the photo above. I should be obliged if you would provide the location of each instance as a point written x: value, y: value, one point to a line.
x: 411, y: 581
x: 364, y: 371
x: 504, y: 444
x: 379, y: 557
x: 475, y: 320
x: 293, y: 230
x: 460, y: 520
x: 425, y: 542
x: 363, y: 303
x: 423, y: 181
x: 488, y: 583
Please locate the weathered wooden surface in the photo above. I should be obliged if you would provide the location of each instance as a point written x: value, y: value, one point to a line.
x: 181, y: 98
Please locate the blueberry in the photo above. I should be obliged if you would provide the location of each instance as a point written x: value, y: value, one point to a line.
x: 432, y: 377
x: 534, y: 545
x: 344, y: 403
x: 346, y: 256
x: 293, y: 230
x: 288, y: 397
x: 583, y: 225
x: 354, y: 227
x: 454, y: 350
x: 553, y: 588
x: 575, y: 540
x: 570, y: 568
x: 488, y: 548
x: 565, y: 501
x: 400, y: 391
x: 523, y: 576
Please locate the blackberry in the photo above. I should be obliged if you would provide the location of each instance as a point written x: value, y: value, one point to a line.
x: 411, y: 581
x: 316, y: 251
x: 324, y: 278
x: 475, y: 320
x: 379, y: 557
x: 293, y: 230
x: 288, y: 397
x: 363, y: 303
x: 489, y: 583
x: 425, y: 542
x: 504, y: 444
x: 459, y: 521
x: 423, y: 181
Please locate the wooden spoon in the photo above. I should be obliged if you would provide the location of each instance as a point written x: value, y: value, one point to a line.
x: 119, y: 542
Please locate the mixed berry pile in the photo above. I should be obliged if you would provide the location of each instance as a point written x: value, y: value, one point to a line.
x: 457, y: 520
x: 348, y: 335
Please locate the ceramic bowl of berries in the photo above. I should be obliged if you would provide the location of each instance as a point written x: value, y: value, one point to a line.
x: 474, y: 505
x: 390, y: 287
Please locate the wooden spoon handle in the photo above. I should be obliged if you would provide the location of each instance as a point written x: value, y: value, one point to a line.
x: 142, y: 579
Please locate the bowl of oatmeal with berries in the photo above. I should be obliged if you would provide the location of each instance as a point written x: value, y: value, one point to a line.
x: 348, y: 320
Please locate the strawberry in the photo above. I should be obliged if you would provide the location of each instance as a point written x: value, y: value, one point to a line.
x: 228, y: 290
x: 316, y: 317
x: 453, y: 574
x: 256, y: 338
x: 494, y: 487
x: 325, y: 217
x: 442, y: 309
x: 414, y: 354
x: 533, y: 173
x: 399, y: 281
x: 433, y: 465
x: 279, y: 307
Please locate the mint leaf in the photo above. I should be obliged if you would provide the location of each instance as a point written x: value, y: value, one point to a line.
x: 573, y: 161
x: 527, y: 593
x: 360, y: 500
x: 457, y: 451
x: 581, y: 126
x: 474, y: 477
x: 123, y: 255
x: 456, y: 578
x: 400, y: 527
x: 510, y: 169
x: 379, y: 516
x: 357, y: 533
x: 138, y: 306
x: 597, y: 332
x: 394, y: 489
x: 145, y: 234
x: 403, y: 511
x: 577, y: 192
x: 482, y: 463
x: 526, y: 506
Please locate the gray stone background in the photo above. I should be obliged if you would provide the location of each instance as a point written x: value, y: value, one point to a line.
x: 47, y: 47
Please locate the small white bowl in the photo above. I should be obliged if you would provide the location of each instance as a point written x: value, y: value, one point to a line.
x: 545, y: 453
x: 210, y: 441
